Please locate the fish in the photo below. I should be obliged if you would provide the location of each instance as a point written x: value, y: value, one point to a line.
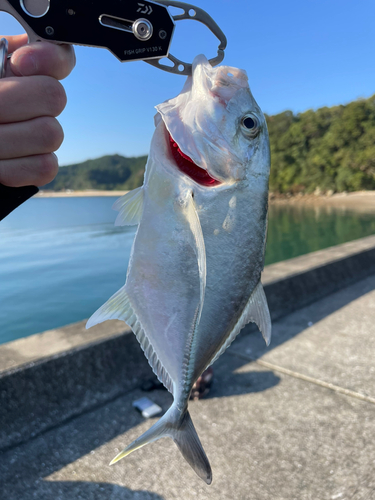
x: 193, y: 279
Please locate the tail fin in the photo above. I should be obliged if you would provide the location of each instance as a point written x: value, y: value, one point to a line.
x: 181, y: 429
x: 188, y: 443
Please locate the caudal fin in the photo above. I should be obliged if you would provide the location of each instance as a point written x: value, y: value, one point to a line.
x: 188, y: 443
x: 181, y: 429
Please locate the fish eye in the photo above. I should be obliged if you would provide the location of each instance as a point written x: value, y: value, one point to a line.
x: 250, y: 125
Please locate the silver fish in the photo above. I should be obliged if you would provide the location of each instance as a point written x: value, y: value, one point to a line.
x: 193, y: 280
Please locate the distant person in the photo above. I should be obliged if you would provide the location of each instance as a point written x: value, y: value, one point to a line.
x: 30, y: 99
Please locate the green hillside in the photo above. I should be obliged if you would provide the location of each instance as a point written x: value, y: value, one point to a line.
x: 331, y: 149
x: 109, y: 172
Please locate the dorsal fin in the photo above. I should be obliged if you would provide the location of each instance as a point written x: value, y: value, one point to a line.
x: 256, y: 311
x: 119, y: 307
x: 130, y: 206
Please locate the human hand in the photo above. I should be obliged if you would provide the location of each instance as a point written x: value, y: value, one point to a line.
x: 30, y: 99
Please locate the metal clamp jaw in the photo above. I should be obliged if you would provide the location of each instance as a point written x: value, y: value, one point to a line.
x: 195, y: 13
x: 131, y: 30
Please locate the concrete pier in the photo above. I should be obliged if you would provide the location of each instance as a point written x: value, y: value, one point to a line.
x: 292, y: 421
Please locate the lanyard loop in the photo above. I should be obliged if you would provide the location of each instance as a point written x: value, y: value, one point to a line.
x: 3, y: 56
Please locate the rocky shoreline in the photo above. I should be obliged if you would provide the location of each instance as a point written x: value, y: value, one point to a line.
x: 70, y: 193
x: 358, y: 200
x: 361, y: 201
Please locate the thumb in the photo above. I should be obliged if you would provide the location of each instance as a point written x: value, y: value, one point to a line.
x: 43, y: 58
x: 15, y: 42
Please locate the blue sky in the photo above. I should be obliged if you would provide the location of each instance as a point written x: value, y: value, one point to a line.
x: 299, y: 54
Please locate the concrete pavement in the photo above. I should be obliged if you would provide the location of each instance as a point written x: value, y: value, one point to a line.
x: 294, y: 421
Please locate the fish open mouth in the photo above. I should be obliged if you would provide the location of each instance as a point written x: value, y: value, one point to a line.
x: 188, y: 167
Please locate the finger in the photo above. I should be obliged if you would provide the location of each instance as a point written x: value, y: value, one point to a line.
x: 15, y: 41
x: 43, y: 59
x: 34, y: 137
x: 29, y: 171
x: 25, y: 98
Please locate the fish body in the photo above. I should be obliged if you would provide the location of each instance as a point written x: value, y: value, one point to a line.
x: 193, y: 278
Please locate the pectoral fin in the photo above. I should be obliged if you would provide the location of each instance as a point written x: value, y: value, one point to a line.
x: 130, y: 207
x: 200, y: 250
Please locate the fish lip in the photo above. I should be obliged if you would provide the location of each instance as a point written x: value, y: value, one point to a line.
x: 187, y: 166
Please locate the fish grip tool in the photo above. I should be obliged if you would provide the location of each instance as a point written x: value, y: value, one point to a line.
x: 131, y: 30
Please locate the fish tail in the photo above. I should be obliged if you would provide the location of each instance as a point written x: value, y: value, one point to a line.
x: 181, y: 429
x: 187, y: 440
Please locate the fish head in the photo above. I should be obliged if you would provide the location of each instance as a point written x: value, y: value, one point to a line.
x: 216, y: 124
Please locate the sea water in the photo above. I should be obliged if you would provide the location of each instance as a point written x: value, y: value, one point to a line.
x: 62, y: 258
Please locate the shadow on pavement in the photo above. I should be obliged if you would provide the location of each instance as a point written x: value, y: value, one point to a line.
x: 32, y: 470
x: 39, y: 465
x: 236, y: 384
x: 303, y: 318
x: 28, y: 467
x: 80, y: 490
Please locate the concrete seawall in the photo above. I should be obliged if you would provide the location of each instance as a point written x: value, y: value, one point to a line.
x: 47, y: 379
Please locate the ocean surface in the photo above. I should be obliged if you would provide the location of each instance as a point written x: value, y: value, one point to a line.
x: 62, y: 258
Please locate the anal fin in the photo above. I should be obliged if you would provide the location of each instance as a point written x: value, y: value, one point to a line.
x: 120, y: 307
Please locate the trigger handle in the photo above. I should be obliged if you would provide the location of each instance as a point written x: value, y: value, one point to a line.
x: 13, y: 197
